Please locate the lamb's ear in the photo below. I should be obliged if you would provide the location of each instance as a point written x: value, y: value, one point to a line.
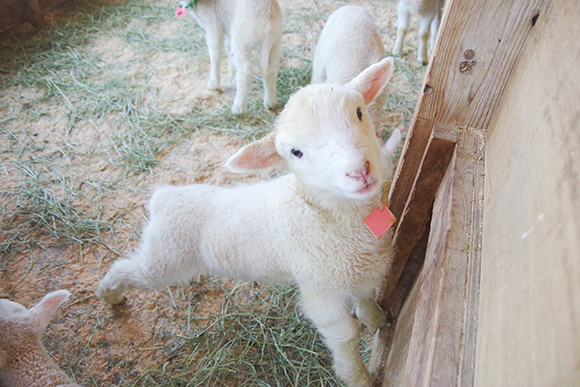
x: 45, y: 309
x: 256, y: 155
x: 373, y: 79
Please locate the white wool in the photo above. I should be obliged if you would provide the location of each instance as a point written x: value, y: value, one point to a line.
x: 242, y: 26
x: 429, y: 13
x: 348, y: 44
x: 23, y: 360
x: 305, y: 227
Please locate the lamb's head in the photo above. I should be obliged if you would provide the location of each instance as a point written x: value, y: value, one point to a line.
x: 15, y: 318
x: 326, y: 137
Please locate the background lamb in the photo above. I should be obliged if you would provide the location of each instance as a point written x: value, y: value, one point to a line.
x: 305, y: 227
x: 242, y: 25
x: 429, y: 12
x: 348, y: 44
x: 23, y: 360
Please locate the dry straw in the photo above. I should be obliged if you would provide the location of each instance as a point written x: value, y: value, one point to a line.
x: 47, y: 197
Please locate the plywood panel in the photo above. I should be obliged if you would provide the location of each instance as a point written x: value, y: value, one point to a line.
x: 529, y: 318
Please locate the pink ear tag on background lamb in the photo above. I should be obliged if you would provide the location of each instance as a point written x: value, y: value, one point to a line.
x: 180, y: 12
x: 380, y: 220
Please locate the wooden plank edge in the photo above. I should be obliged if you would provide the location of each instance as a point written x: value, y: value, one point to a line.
x: 402, y: 364
x: 411, y: 224
x: 468, y: 349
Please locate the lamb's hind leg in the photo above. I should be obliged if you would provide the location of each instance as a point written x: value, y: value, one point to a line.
x: 148, y: 268
x: 269, y: 62
x: 402, y: 28
x: 341, y: 333
x: 244, y: 75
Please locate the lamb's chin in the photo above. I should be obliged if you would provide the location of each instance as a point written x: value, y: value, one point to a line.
x: 363, y: 194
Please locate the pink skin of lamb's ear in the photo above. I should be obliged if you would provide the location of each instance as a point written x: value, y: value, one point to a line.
x: 254, y: 156
x: 44, y: 311
x: 373, y: 79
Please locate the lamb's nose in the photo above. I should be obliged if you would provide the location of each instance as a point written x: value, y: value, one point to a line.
x: 361, y: 174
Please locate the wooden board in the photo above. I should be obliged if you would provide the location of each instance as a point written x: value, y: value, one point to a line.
x: 490, y: 36
x: 529, y: 319
x: 495, y: 32
x: 434, y: 340
x: 411, y: 223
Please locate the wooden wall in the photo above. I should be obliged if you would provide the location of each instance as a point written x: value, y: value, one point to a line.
x: 494, y: 151
x: 529, y: 315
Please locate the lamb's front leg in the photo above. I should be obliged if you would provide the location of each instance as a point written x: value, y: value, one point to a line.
x: 341, y: 334
x: 402, y: 27
x: 424, y: 29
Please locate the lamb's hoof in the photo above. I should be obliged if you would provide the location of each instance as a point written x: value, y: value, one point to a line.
x: 363, y: 379
x: 373, y: 317
x: 236, y: 109
x: 271, y: 103
x: 380, y: 322
x: 109, y: 296
x: 213, y: 86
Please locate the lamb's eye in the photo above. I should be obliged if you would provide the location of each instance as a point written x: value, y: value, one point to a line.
x: 297, y: 152
x: 359, y: 114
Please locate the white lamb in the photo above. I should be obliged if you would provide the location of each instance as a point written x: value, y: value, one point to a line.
x: 429, y: 12
x: 242, y: 25
x: 23, y: 360
x: 348, y: 44
x: 305, y: 227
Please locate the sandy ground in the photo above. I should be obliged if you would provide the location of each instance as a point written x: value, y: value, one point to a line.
x: 97, y: 342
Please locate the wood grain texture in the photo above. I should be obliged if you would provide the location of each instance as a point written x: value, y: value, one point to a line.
x: 433, y: 342
x: 384, y: 337
x: 529, y: 318
x: 454, y: 348
x: 412, y: 222
x: 479, y: 44
x: 496, y: 31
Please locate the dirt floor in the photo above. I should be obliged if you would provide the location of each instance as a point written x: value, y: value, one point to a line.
x: 79, y: 173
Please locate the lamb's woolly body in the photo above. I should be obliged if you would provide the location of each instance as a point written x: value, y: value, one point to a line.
x: 429, y: 13
x: 203, y: 234
x: 23, y: 360
x: 34, y: 368
x: 242, y: 25
x: 306, y: 227
x: 348, y: 44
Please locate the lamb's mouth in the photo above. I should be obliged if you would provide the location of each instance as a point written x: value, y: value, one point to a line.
x: 367, y: 188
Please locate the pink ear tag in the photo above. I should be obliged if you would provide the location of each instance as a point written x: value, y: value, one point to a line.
x: 380, y: 220
x: 180, y: 12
